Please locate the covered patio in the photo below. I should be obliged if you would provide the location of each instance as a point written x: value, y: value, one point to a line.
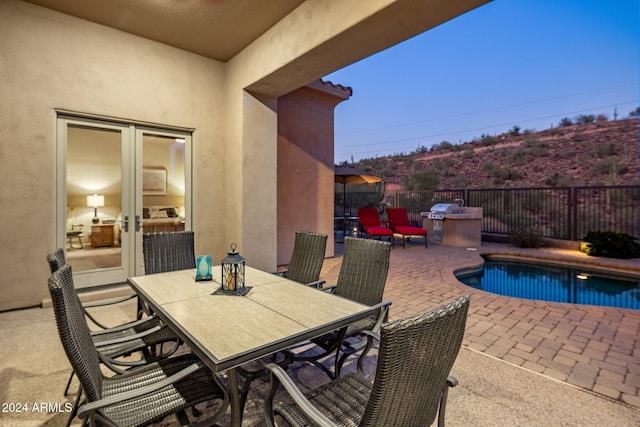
x: 522, y: 362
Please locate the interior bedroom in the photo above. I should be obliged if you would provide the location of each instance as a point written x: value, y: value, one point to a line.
x: 95, y: 172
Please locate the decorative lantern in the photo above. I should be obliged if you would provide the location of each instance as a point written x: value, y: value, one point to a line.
x: 233, y: 272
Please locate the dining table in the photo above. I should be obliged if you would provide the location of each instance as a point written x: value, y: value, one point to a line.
x: 226, y: 331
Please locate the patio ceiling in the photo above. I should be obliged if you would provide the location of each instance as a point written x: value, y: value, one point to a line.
x: 217, y: 29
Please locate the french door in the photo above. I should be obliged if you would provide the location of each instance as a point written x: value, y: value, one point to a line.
x: 114, y: 182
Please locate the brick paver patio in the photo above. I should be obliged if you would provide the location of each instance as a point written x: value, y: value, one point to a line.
x: 591, y: 347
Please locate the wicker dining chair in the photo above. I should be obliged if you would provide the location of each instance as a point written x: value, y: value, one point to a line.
x: 142, y: 335
x: 113, y: 343
x: 166, y: 251
x: 411, y: 381
x: 307, y: 258
x: 362, y: 278
x: 57, y: 259
x: 139, y: 396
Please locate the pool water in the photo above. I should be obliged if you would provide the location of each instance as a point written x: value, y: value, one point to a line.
x: 558, y: 284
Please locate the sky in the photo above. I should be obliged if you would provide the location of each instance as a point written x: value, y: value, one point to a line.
x: 525, y: 63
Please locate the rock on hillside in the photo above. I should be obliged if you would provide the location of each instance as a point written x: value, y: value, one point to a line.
x: 601, y: 153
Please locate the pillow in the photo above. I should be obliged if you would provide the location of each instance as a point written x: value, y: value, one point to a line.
x: 158, y: 214
x: 171, y: 212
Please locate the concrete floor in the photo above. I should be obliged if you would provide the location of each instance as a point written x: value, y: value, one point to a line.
x: 523, y: 363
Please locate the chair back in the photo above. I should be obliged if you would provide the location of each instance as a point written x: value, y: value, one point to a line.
x: 414, y: 360
x: 168, y: 251
x: 398, y: 216
x: 74, y: 332
x: 56, y: 259
x: 308, y: 255
x: 364, y: 269
x: 369, y: 217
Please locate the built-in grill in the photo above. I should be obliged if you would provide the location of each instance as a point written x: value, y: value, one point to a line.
x: 439, y: 210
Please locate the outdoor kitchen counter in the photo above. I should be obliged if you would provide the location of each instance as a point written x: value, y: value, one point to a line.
x: 462, y: 229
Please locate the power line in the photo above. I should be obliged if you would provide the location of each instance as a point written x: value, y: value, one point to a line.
x: 488, y: 110
x: 463, y: 131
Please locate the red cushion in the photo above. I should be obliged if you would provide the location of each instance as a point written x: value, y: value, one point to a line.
x: 398, y: 216
x: 368, y: 217
x: 408, y: 230
x: 378, y: 231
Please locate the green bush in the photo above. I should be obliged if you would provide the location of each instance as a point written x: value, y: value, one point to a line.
x: 558, y: 180
x: 604, y: 150
x: 566, y: 122
x: 468, y: 153
x: 611, y: 245
x: 526, y: 237
x: 487, y: 140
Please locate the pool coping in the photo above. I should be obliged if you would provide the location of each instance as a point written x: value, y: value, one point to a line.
x: 620, y: 269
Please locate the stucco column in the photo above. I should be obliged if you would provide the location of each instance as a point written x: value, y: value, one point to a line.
x: 259, y: 182
x: 305, y: 163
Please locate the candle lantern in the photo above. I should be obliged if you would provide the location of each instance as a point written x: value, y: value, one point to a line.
x: 233, y: 272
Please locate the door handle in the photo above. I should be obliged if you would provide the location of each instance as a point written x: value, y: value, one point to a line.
x: 137, y: 223
x: 125, y: 223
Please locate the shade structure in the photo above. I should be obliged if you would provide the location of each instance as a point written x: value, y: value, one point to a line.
x: 347, y: 174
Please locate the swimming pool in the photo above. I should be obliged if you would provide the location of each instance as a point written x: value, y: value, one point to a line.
x: 554, y: 283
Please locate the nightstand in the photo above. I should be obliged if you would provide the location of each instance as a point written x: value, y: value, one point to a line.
x: 102, y: 235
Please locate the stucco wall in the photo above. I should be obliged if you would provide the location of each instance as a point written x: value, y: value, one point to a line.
x: 53, y: 61
x: 305, y: 164
x: 50, y: 60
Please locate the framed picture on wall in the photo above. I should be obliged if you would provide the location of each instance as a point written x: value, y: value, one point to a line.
x: 154, y: 181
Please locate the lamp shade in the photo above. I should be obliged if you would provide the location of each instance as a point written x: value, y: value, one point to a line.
x: 95, y: 200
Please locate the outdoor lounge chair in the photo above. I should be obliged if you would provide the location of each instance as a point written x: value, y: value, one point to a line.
x: 399, y: 224
x: 411, y: 379
x: 306, y: 262
x: 362, y: 278
x: 369, y: 221
x: 139, y: 396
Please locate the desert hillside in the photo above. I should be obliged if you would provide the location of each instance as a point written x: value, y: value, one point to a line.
x: 600, y: 153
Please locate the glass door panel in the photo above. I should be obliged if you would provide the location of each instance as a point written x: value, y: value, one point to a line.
x: 163, y: 184
x: 93, y: 200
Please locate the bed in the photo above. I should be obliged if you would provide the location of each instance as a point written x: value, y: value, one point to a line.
x: 161, y: 218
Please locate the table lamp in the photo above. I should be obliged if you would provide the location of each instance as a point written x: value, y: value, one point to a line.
x: 96, y: 201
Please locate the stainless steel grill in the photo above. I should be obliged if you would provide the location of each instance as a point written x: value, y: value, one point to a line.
x: 439, y: 210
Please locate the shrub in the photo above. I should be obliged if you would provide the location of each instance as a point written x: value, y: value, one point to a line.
x: 446, y: 145
x: 488, y: 140
x: 468, y: 153
x: 611, y: 245
x: 518, y: 157
x: 585, y: 119
x: 603, y: 167
x: 526, y: 237
x: 605, y: 150
x: 427, y: 179
x: 558, y: 180
x: 566, y: 122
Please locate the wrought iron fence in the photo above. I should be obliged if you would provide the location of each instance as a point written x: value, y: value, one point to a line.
x: 559, y: 212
